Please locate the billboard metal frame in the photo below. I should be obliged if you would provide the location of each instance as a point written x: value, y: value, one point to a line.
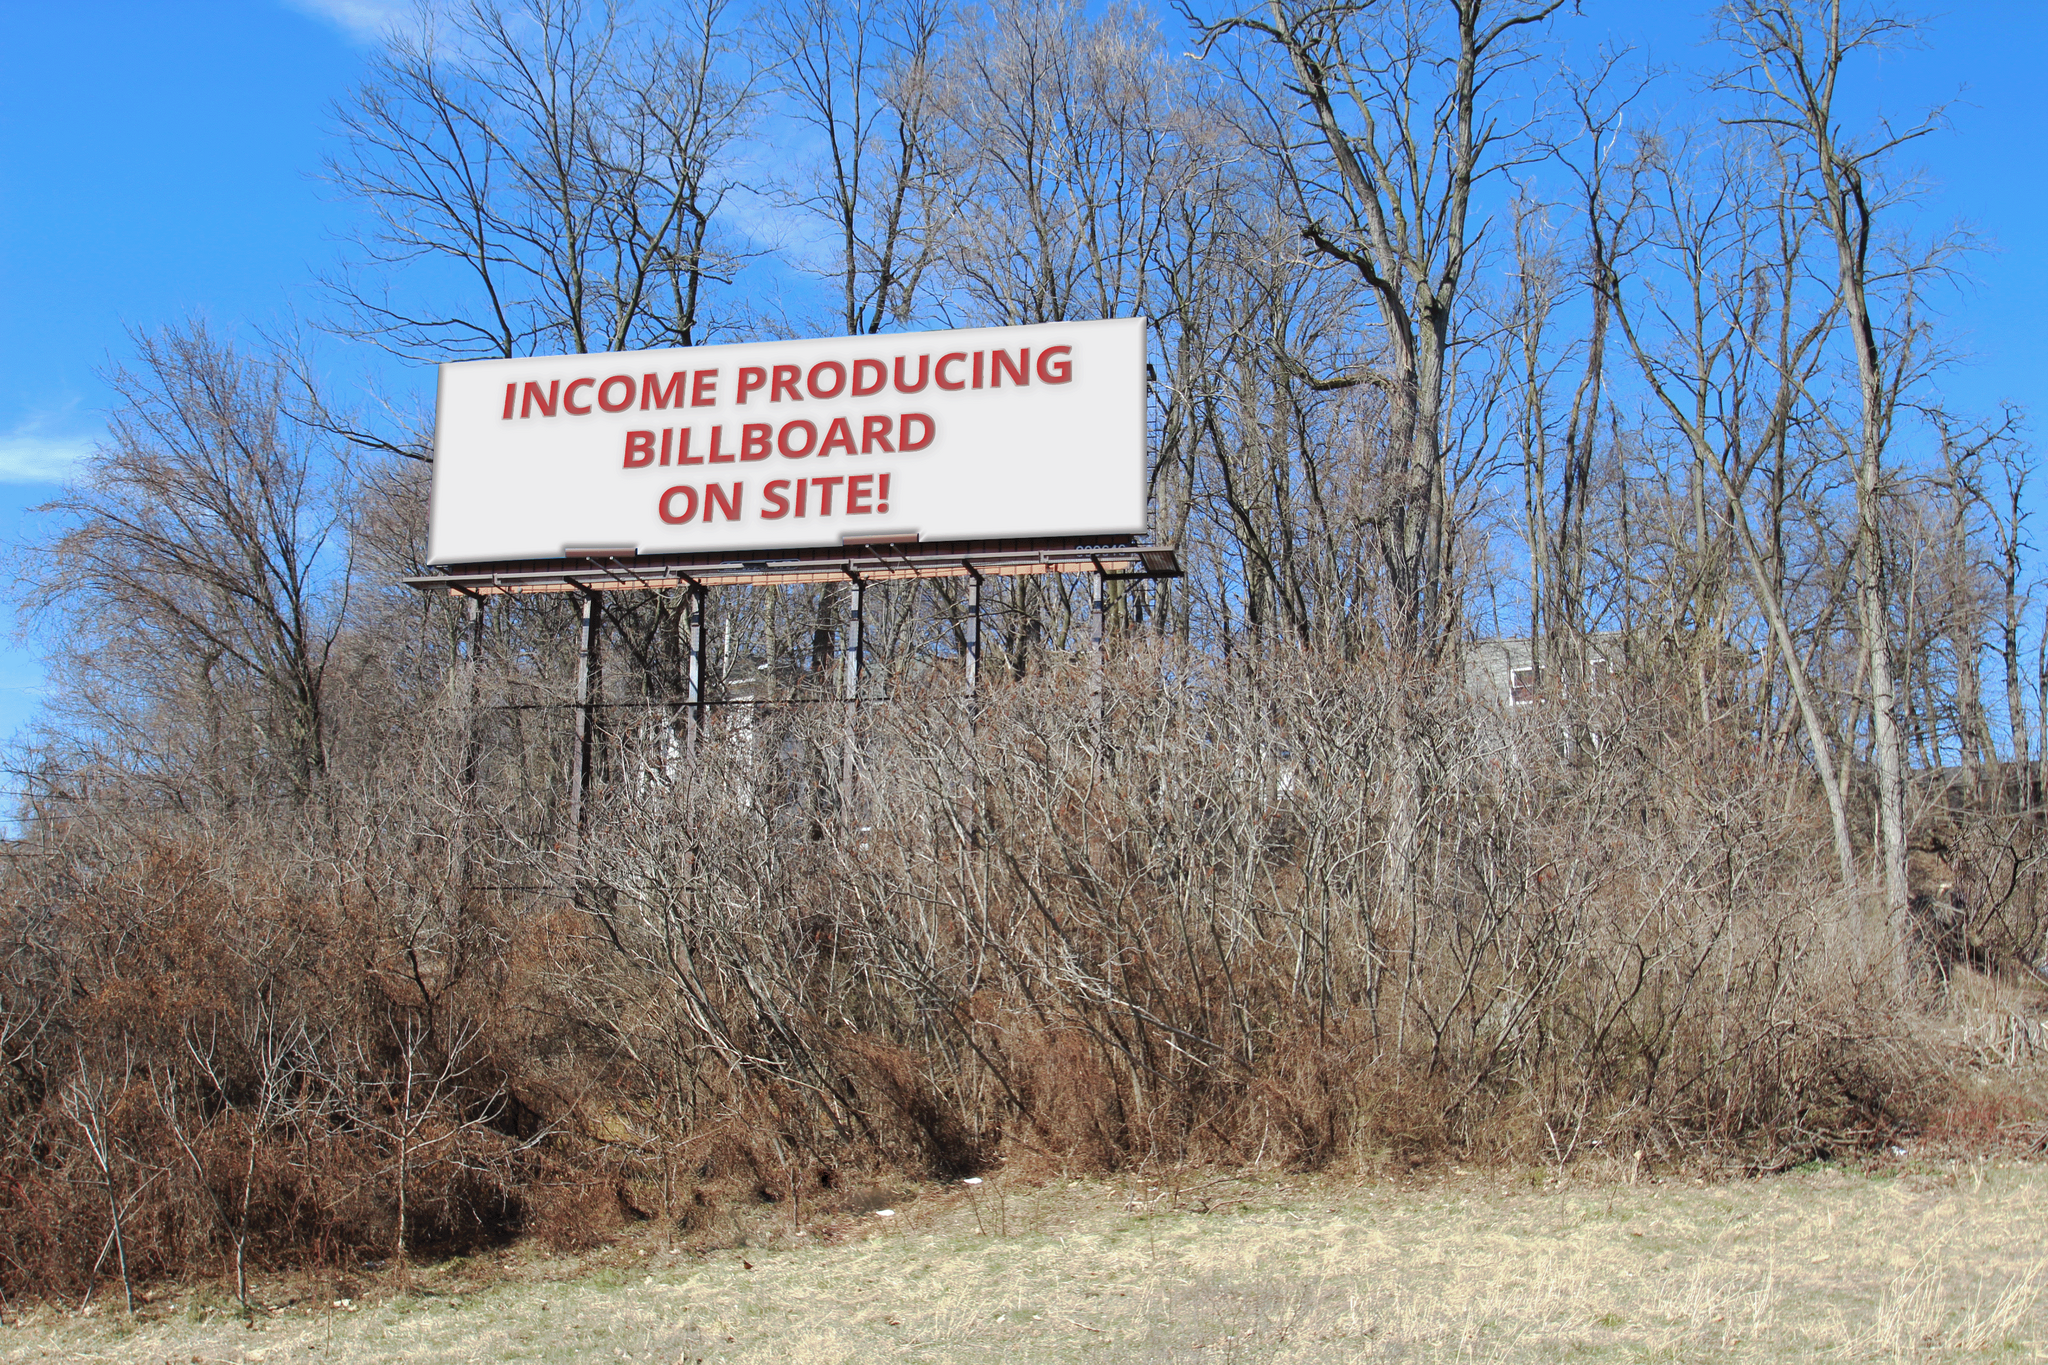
x: 859, y: 561
x: 869, y: 559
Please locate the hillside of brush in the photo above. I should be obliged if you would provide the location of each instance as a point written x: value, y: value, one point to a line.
x: 404, y: 1017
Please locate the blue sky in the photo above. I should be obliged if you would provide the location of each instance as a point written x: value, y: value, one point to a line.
x: 159, y: 160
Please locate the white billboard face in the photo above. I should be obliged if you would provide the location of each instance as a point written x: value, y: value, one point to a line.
x: 982, y: 434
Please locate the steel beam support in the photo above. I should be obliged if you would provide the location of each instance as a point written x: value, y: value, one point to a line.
x: 472, y: 743
x: 694, y: 690
x: 970, y: 634
x: 971, y: 659
x: 856, y: 600
x: 473, y: 611
x: 872, y: 563
x: 589, y: 684
x: 1098, y: 608
x: 856, y: 603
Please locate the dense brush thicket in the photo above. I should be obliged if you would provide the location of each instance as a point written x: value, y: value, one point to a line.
x: 411, y: 1015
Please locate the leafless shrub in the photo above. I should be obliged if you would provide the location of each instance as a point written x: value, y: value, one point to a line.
x: 1163, y: 936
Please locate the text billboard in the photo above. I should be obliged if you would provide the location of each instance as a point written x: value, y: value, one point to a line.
x: 981, y: 434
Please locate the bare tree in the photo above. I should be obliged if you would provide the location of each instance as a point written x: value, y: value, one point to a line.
x: 1561, y: 546
x: 1399, y: 122
x: 91, y: 1100
x: 1799, y: 52
x: 867, y: 79
x: 1079, y: 141
x: 1283, y: 466
x: 1727, y: 354
x: 1083, y: 142
x: 422, y: 1109
x: 266, y: 1053
x: 199, y: 573
x: 2009, y: 511
x: 562, y: 162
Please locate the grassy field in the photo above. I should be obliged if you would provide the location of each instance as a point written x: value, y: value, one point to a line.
x: 1914, y: 1262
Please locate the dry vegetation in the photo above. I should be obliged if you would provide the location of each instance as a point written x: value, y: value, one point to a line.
x: 1153, y: 940
x: 305, y: 967
x: 1920, y: 1260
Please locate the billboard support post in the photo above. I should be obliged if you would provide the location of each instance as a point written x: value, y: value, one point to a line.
x: 694, y: 683
x: 1096, y: 610
x: 473, y: 612
x: 589, y: 681
x: 970, y: 658
x: 856, y: 601
x: 472, y: 741
x: 971, y: 639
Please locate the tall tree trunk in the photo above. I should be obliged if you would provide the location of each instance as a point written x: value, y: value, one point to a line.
x: 1852, y: 242
x: 1799, y: 52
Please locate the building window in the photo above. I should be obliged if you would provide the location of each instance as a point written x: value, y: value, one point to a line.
x: 1524, y: 685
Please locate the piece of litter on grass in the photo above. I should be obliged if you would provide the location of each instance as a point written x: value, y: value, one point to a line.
x: 972, y: 1180
x: 885, y: 1213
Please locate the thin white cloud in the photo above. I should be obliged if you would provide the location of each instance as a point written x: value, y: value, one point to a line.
x: 366, y: 21
x: 27, y: 455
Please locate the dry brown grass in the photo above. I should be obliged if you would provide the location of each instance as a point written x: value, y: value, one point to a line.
x: 1921, y: 1260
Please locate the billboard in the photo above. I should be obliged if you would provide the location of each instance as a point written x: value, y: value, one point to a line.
x: 979, y: 434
